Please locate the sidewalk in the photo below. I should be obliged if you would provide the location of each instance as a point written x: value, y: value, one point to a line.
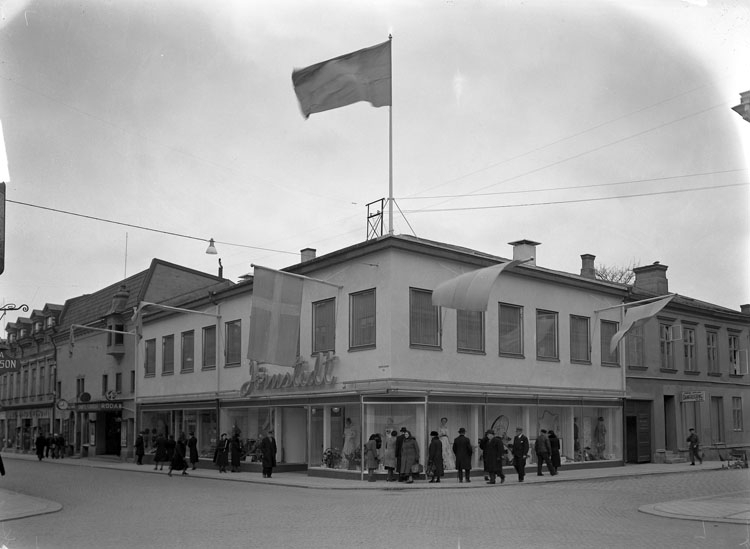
x: 732, y: 508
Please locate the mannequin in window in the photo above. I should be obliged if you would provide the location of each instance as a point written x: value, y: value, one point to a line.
x: 600, y: 438
x: 449, y: 461
x: 350, y: 438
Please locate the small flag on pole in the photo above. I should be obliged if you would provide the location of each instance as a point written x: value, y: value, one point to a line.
x: 275, y: 315
x: 364, y: 75
x: 470, y: 291
x: 633, y: 315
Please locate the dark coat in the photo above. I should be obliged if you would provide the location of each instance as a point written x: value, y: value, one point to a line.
x: 178, y: 456
x: 235, y: 449
x: 2, y: 467
x: 170, y: 446
x: 221, y: 454
x: 520, y: 446
x: 554, y: 444
x: 41, y: 444
x: 161, y: 449
x: 494, y: 451
x: 409, y: 455
x: 371, y: 454
x: 435, y: 457
x: 463, y: 450
x: 139, y: 448
x: 542, y: 446
x: 268, y: 451
x: 193, y: 448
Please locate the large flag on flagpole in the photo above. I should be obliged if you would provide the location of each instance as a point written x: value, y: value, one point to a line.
x: 275, y: 316
x: 633, y: 315
x: 363, y: 75
x: 470, y: 291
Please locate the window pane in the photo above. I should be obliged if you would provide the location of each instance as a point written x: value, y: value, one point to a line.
x: 546, y: 334
x: 234, y: 342
x: 150, y: 364
x: 470, y: 330
x: 608, y: 330
x: 362, y: 314
x: 324, y: 326
x: 712, y: 351
x: 167, y: 354
x: 688, y: 345
x: 511, y: 329
x: 188, y: 351
x: 424, y: 321
x: 209, y: 347
x: 634, y: 346
x: 579, y: 339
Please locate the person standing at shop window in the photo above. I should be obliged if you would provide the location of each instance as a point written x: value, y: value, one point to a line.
x: 694, y: 447
x: 235, y: 449
x: 221, y: 454
x: 139, y: 449
x: 399, y: 446
x: 520, y: 453
x: 543, y: 451
x: 494, y: 450
x: 193, y: 449
x: 463, y: 451
x: 372, y: 457
x: 554, y: 444
x: 40, y: 442
x: 178, y: 461
x: 161, y: 452
x: 435, y: 464
x: 409, y: 457
x: 268, y: 451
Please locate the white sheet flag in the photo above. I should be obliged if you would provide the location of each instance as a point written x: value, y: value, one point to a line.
x: 470, y: 291
x: 635, y: 314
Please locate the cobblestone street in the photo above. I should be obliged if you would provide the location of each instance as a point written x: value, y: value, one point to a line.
x: 122, y: 508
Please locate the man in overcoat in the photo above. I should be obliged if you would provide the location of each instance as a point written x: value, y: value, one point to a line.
x: 463, y: 451
x: 543, y: 451
x: 268, y: 451
x: 399, y: 445
x: 520, y: 453
x: 494, y: 450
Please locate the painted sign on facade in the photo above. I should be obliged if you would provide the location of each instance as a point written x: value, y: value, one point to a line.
x: 301, y: 376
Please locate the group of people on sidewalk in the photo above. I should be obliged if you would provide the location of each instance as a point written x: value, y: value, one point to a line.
x: 53, y: 445
x: 399, y: 455
x: 175, y: 453
x: 229, y: 451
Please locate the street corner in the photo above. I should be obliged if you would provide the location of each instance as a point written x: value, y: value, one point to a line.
x: 729, y: 508
x: 14, y: 505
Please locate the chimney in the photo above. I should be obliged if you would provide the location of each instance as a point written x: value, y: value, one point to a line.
x: 587, y: 266
x: 651, y: 279
x: 119, y: 300
x: 745, y: 309
x: 524, y: 249
x: 307, y: 254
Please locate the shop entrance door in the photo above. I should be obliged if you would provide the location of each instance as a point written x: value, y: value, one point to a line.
x: 113, y: 422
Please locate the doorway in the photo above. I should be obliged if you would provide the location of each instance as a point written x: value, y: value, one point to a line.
x: 112, y: 425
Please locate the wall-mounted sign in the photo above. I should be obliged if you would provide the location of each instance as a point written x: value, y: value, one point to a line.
x: 84, y: 397
x: 99, y: 406
x: 111, y: 395
x: 301, y: 376
x: 62, y: 404
x: 693, y: 396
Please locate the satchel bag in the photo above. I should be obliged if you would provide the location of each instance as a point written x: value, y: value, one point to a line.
x: 416, y: 468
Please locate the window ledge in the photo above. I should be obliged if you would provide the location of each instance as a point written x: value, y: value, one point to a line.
x: 668, y: 370
x: 714, y: 374
x: 548, y: 359
x: 692, y: 373
x: 361, y: 348
x: 638, y: 368
x: 149, y: 375
x: 582, y: 362
x: 425, y: 347
x: 470, y: 352
x: 512, y: 355
x: 232, y: 365
x: 168, y: 373
x: 737, y: 375
x: 190, y: 371
x: 610, y: 365
x: 208, y: 368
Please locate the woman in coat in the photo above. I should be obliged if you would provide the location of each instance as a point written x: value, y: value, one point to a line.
x: 140, y: 449
x: 221, y: 455
x: 178, y: 456
x: 161, y: 452
x: 554, y: 443
x: 235, y: 449
x: 435, y: 457
x: 389, y: 455
x: 193, y: 449
x: 372, y: 458
x: 409, y: 456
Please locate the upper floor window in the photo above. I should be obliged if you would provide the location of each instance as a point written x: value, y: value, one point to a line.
x: 81, y: 384
x: 105, y: 384
x: 167, y: 355
x: 688, y: 345
x: 324, y: 326
x: 424, y: 319
x: 362, y: 319
x: 234, y: 342
x: 546, y: 335
x: 580, y: 346
x: 511, y: 329
x: 737, y: 414
x: 712, y: 352
x: 734, y: 354
x: 634, y: 346
x: 118, y: 382
x: 188, y: 351
x: 608, y: 330
x: 666, y: 346
x: 150, y: 358
x: 209, y: 348
x: 470, y: 331
x: 41, y: 380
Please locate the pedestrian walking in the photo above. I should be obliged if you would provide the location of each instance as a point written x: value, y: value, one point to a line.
x: 554, y: 444
x: 520, y: 451
x: 494, y: 451
x: 41, y: 444
x: 235, y: 451
x: 50, y: 446
x: 399, y: 444
x: 543, y: 451
x: 435, y: 463
x: 161, y: 452
x: 139, y: 449
x: 409, y: 457
x: 371, y: 457
x: 171, y: 444
x: 462, y: 450
x: 694, y: 447
x: 193, y: 449
x: 178, y: 461
x: 2, y: 467
x: 221, y: 454
x: 483, y: 446
x: 60, y: 446
x: 268, y: 451
x: 389, y: 456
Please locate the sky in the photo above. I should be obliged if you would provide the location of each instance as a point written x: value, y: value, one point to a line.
x: 597, y: 127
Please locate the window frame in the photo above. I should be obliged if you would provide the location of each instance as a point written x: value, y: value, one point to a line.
x: 363, y: 322
x: 737, y: 424
x: 506, y: 337
x: 712, y: 352
x: 574, y: 346
x: 666, y: 347
x: 187, y: 352
x: 430, y: 320
x: 149, y: 358
x: 555, y: 316
x: 690, y: 362
x: 205, y: 348
x: 464, y: 320
x: 612, y: 359
x: 233, y: 338
x: 167, y: 355
x: 322, y: 318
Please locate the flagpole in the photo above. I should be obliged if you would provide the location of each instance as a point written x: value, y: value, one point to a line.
x: 623, y: 305
x: 390, y: 149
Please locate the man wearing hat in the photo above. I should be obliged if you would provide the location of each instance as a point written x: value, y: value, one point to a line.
x: 399, y: 444
x: 543, y: 451
x: 268, y: 451
x: 494, y: 450
x: 462, y: 449
x: 520, y: 453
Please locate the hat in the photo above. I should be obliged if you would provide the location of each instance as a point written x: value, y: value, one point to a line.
x: 462, y: 430
x: 394, y: 433
x: 433, y: 433
x: 489, y: 432
x: 519, y: 428
x: 403, y: 429
x: 544, y: 430
x: 270, y: 431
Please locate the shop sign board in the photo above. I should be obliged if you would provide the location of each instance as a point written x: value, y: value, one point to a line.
x: 693, y: 396
x: 98, y: 406
x: 27, y: 414
x: 301, y: 376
